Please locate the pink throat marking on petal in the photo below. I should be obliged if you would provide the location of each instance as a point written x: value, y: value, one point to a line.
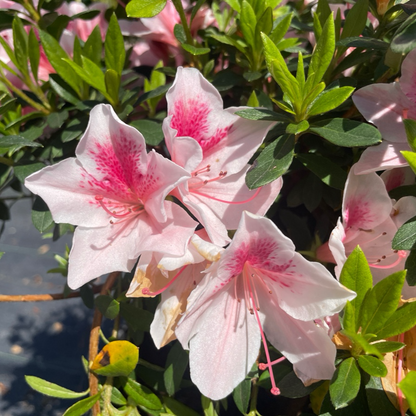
x: 146, y: 290
x: 357, y: 213
x: 190, y: 119
x: 122, y: 211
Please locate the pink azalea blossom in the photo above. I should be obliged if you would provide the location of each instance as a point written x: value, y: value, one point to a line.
x: 115, y: 192
x: 157, y: 32
x: 80, y: 27
x: 174, y: 278
x: 214, y: 146
x: 386, y: 105
x: 370, y: 219
x: 259, y: 286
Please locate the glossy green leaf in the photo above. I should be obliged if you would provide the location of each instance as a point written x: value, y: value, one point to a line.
x: 41, y: 216
x: 345, y: 383
x: 404, y: 39
x: 82, y: 407
x: 272, y: 163
x: 117, y: 397
x: 208, y: 406
x: 381, y: 302
x: 179, y: 33
x: 405, y: 238
x: 348, y: 319
x: 377, y: 399
x: 410, y: 127
x: 16, y: 142
x: 253, y: 100
x: 281, y: 26
x: 260, y: 114
x: 112, y: 84
x: 228, y: 40
x: 297, y: 128
x: 108, y: 306
x: 410, y: 158
x: 154, y: 93
x: 93, y: 46
x: 329, y: 172
x: 137, y: 318
x: 21, y: 44
x: 400, y: 321
x: 151, y: 130
x: 193, y: 50
x: 115, y: 53
x: 408, y: 387
x: 117, y: 358
x: 142, y: 395
x: 51, y: 389
x: 356, y: 19
x: 176, y: 364
x: 264, y: 25
x: 34, y: 53
x: 63, y: 89
x: 388, y: 346
x: 347, y: 133
x: 372, y: 365
x: 175, y: 407
x: 241, y: 395
x: 328, y: 100
x: 145, y: 8
x: 55, y: 120
x: 57, y: 56
x: 248, y: 22
x: 363, y: 42
x: 410, y: 265
x: 322, y: 54
x: 323, y: 11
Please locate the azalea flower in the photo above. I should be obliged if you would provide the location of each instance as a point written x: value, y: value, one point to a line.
x: 214, y: 145
x: 115, y: 192
x: 174, y: 278
x: 386, y: 105
x: 259, y: 286
x: 370, y: 219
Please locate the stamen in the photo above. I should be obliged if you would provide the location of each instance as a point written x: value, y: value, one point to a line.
x: 404, y: 113
x: 228, y: 202
x: 401, y: 255
x: 146, y: 290
x: 274, y: 390
x: 374, y: 238
x: 263, y: 366
x: 207, y: 168
x: 220, y: 176
x: 128, y: 211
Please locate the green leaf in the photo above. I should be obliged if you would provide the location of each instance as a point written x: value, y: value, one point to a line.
x: 410, y: 127
x: 329, y: 172
x: 345, y: 383
x: 272, y: 163
x: 347, y: 133
x: 63, y: 89
x: 117, y: 397
x: 137, y: 318
x: 260, y: 114
x: 363, y: 42
x: 142, y: 395
x: 381, y: 302
x: 356, y: 276
x: 405, y: 238
x: 410, y: 158
x: 377, y: 399
x: 241, y: 395
x: 1, y: 254
x: 253, y: 100
x: 57, y: 56
x: 408, y: 387
x: 322, y: 54
x: 279, y: 70
x: 177, y: 408
x: 281, y: 27
x: 405, y: 38
x: 264, y: 24
x: 356, y: 19
x: 34, y: 53
x: 291, y: 386
x: 20, y: 43
x: 228, y: 40
x: 112, y: 84
x: 16, y: 142
x: 41, y: 216
x: 55, y: 120
x: 7, y: 105
x: 145, y: 8
x: 348, y: 320
x: 297, y: 128
x: 176, y: 364
x: 93, y: 46
x: 115, y: 53
x: 117, y: 358
x: 328, y: 100
x: 51, y: 389
x: 82, y: 407
x: 154, y: 93
x: 152, y: 131
x: 248, y: 22
x: 23, y: 171
x: 388, y: 346
x: 410, y: 265
x: 399, y: 322
x: 360, y: 342
x: 193, y: 50
x: 208, y: 406
x: 323, y: 11
x: 108, y: 306
x: 179, y: 33
x: 372, y: 365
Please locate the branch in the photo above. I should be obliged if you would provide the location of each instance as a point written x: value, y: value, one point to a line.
x: 94, y: 339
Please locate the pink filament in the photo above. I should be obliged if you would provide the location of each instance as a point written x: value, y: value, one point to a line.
x: 229, y: 202
x: 146, y: 290
x: 401, y: 254
x: 263, y: 366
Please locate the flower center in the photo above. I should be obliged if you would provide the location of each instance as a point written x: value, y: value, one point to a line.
x: 120, y: 210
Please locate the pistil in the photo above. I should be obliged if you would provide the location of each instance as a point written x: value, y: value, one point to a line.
x: 147, y: 292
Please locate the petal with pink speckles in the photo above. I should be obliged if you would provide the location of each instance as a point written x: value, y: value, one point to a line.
x: 408, y: 78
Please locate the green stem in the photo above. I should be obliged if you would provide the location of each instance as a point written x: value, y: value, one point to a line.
x: 179, y: 8
x: 28, y: 5
x: 108, y: 388
x: 6, y: 161
x: 253, y: 399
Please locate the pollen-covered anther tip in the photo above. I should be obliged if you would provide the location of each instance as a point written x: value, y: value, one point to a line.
x: 99, y: 197
x: 275, y: 391
x: 402, y: 253
x: 262, y: 366
x: 146, y: 291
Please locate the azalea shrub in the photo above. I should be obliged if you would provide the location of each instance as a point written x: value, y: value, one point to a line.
x: 239, y: 180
